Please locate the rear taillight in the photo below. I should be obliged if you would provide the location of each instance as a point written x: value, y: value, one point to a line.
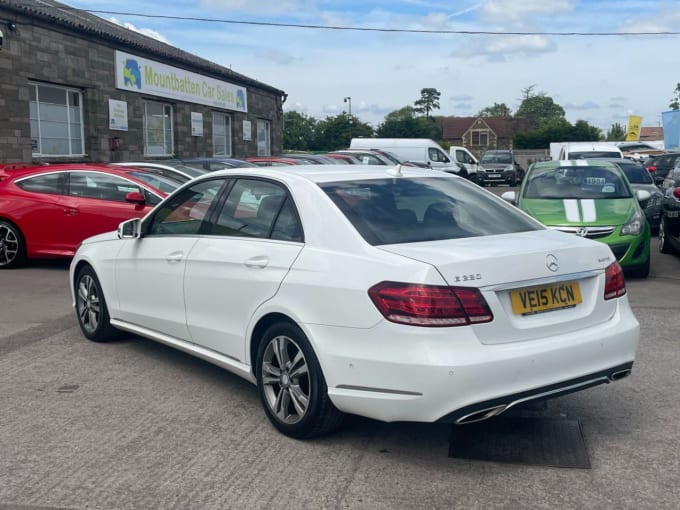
x: 614, y: 284
x: 430, y: 305
x: 651, y: 168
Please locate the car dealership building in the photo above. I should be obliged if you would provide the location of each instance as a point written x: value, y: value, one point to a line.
x: 76, y: 87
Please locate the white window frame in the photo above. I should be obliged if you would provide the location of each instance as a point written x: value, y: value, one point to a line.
x: 264, y: 143
x: 167, y: 142
x: 223, y: 148
x: 480, y: 133
x: 69, y: 121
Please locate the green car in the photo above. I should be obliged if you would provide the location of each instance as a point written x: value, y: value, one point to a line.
x: 592, y: 199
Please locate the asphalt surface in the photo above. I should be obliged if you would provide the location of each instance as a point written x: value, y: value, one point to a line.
x: 136, y: 425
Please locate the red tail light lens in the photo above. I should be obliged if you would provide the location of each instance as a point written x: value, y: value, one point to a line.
x: 430, y: 305
x: 651, y: 168
x: 614, y: 283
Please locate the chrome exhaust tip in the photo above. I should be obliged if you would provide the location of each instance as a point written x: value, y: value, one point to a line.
x: 616, y: 376
x: 483, y: 414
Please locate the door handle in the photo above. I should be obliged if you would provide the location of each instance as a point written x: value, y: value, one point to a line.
x: 71, y: 211
x: 175, y: 256
x: 259, y: 261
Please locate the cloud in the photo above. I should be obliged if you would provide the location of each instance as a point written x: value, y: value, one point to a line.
x: 461, y: 98
x: 267, y: 7
x: 587, y: 105
x: 514, y: 11
x: 497, y: 48
x: 663, y: 22
x: 144, y: 31
x: 278, y: 57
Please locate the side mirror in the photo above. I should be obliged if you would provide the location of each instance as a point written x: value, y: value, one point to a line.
x: 130, y: 229
x: 509, y: 196
x: 135, y: 197
x: 643, y: 195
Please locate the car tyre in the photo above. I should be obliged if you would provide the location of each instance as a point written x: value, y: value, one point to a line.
x: 663, y: 242
x: 291, y: 385
x: 91, y: 310
x: 12, y: 246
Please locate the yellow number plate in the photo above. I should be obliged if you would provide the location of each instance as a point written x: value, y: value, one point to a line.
x: 545, y: 298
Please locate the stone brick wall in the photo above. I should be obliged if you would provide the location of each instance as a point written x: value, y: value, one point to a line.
x: 38, y: 53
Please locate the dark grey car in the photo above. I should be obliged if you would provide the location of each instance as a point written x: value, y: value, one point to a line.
x: 641, y: 179
x: 499, y: 167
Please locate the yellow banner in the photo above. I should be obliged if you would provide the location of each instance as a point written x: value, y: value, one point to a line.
x: 634, y: 126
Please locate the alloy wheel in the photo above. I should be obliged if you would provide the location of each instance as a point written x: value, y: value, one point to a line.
x: 285, y: 380
x: 87, y: 303
x: 9, y: 244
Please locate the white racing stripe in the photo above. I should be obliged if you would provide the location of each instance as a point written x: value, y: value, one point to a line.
x: 571, y: 210
x: 588, y: 210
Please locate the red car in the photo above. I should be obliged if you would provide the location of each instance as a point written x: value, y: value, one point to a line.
x: 46, y: 211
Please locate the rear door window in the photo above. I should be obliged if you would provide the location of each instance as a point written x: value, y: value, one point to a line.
x: 52, y: 183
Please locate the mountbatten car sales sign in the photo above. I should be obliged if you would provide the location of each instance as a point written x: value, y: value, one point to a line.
x: 137, y: 74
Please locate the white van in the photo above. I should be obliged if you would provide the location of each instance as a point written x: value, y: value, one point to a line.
x: 588, y: 150
x: 464, y: 157
x: 417, y: 150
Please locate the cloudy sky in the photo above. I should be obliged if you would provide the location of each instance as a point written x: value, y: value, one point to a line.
x: 599, y: 78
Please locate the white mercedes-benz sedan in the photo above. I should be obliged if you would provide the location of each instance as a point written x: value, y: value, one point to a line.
x: 399, y: 294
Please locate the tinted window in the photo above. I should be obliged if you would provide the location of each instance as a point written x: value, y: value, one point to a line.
x: 636, y: 174
x: 497, y: 157
x: 45, y: 183
x: 256, y: 208
x: 100, y: 186
x: 391, y: 211
x: 159, y: 182
x: 576, y: 182
x: 185, y: 212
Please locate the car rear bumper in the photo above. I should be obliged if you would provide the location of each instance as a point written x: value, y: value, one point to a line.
x: 404, y: 373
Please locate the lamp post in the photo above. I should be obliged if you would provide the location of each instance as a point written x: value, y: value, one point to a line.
x: 349, y: 100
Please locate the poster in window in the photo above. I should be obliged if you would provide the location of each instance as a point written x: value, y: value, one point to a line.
x: 247, y: 130
x: 118, y: 118
x: 196, y: 124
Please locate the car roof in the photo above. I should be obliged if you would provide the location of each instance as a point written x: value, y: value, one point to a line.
x: 594, y: 146
x: 120, y: 171
x: 574, y: 162
x: 332, y: 173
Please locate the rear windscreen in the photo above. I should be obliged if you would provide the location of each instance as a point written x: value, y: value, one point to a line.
x: 593, y: 154
x: 405, y: 210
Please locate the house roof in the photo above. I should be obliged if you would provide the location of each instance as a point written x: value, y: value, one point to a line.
x: 651, y: 133
x: 503, y: 127
x: 77, y: 20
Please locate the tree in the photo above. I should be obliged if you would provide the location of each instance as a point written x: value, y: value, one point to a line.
x: 556, y: 130
x: 539, y: 109
x: 336, y: 132
x: 497, y: 110
x: 616, y: 133
x: 298, y: 131
x: 403, y: 123
x: 675, y: 101
x: 429, y: 101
